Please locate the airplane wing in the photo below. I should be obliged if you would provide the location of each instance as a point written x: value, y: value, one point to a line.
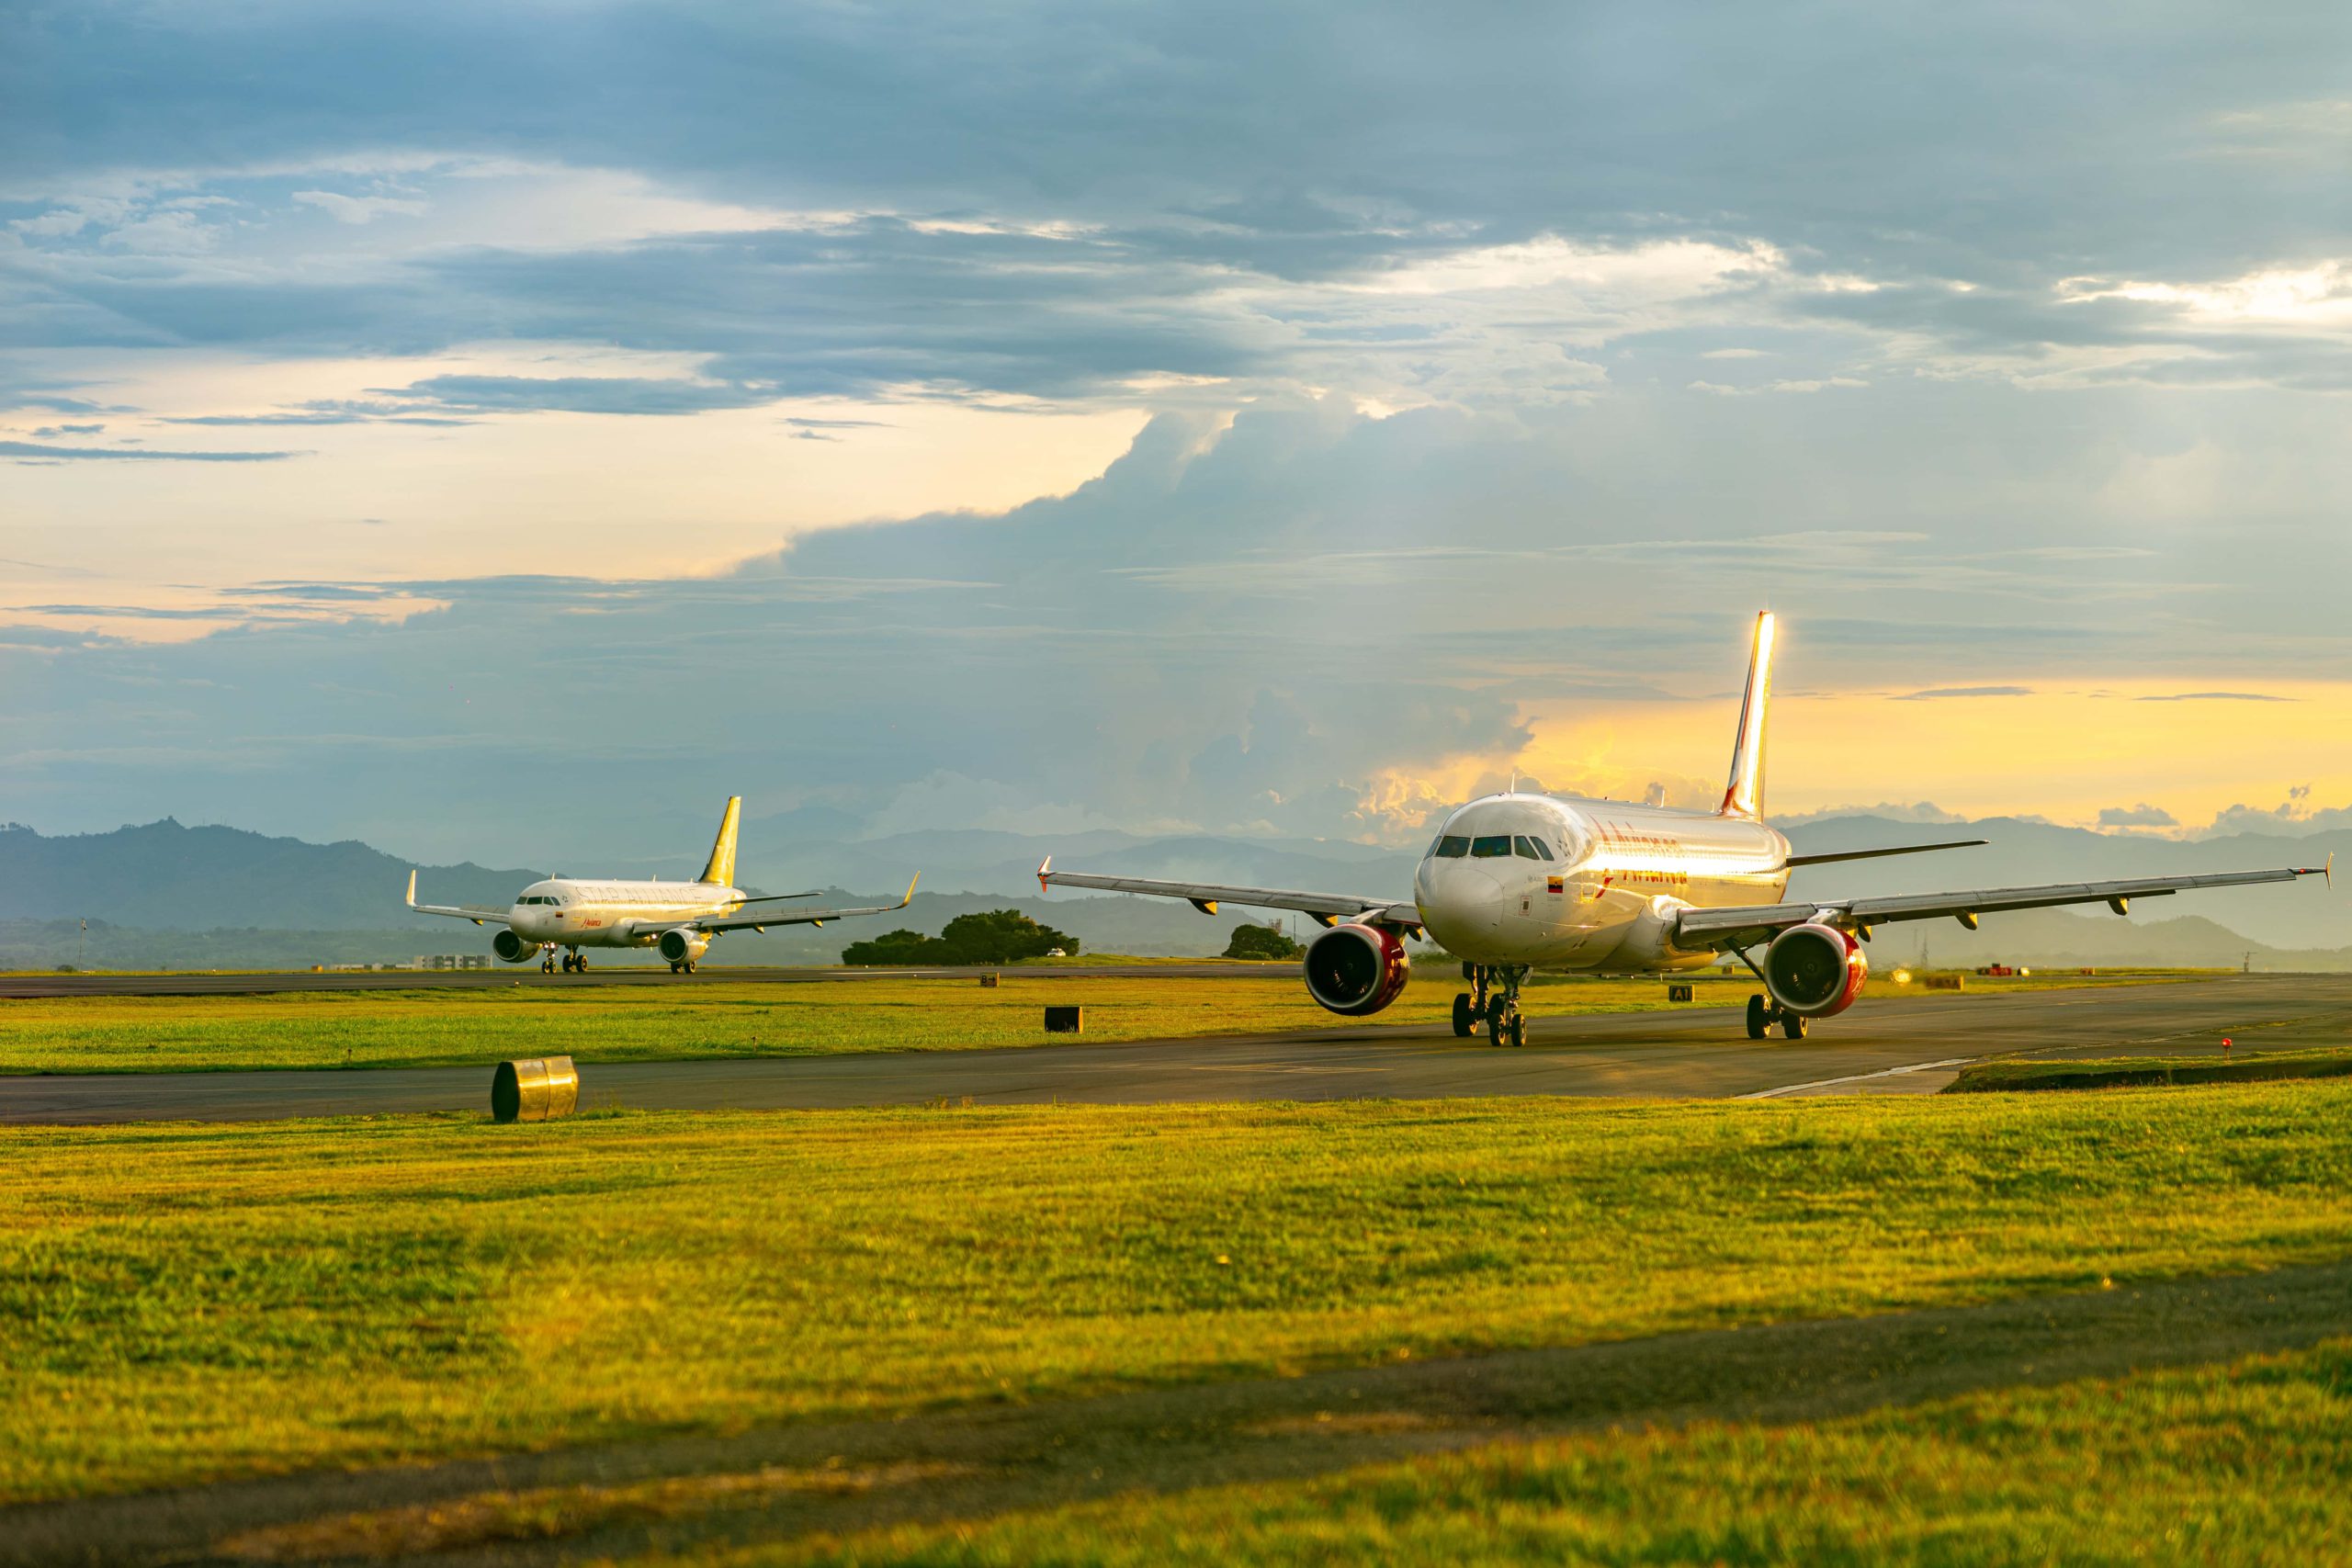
x: 762, y: 922
x: 1743, y: 924
x: 1328, y: 908
x: 473, y: 912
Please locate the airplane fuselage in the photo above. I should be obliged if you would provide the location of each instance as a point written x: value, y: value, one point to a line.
x: 1588, y: 885
x: 575, y: 912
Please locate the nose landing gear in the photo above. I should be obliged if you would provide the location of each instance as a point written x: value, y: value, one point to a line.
x: 1499, y: 1011
x: 547, y: 964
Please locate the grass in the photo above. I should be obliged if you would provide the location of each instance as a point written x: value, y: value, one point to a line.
x: 2241, y: 1463
x: 704, y: 1018
x: 2116, y: 1072
x: 184, y: 1303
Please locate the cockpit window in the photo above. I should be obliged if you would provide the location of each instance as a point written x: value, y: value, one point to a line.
x: 1490, y: 846
x: 1453, y: 846
x: 1526, y: 848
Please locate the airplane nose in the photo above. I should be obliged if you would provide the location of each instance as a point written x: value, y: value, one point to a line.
x: 1460, y: 902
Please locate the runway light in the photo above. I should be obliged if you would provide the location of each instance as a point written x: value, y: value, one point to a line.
x: 1902, y: 977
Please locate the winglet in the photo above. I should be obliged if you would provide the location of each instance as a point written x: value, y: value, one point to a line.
x: 411, y: 887
x: 1044, y: 866
x: 911, y: 890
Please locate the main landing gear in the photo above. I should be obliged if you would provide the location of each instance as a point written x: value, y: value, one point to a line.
x: 1762, y: 1014
x: 575, y: 963
x: 683, y: 966
x: 1499, y: 1011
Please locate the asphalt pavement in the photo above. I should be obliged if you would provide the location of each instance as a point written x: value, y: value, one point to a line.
x: 1882, y: 1044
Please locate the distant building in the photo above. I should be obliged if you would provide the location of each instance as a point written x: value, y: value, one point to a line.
x: 451, y: 961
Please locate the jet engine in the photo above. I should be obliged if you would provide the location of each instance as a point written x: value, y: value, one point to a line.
x: 680, y: 947
x: 515, y: 949
x: 1814, y: 971
x: 1356, y: 970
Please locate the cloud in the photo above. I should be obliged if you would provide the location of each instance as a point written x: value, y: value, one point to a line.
x: 27, y: 450
x: 357, y: 210
x: 580, y: 394
x: 2215, y: 697
x: 331, y: 410
x: 48, y: 431
x: 2140, y: 816
x: 1892, y: 811
x: 1938, y: 693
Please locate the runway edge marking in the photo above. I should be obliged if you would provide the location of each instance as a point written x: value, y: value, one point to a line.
x: 1858, y: 1078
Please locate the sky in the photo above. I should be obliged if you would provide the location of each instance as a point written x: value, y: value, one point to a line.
x: 500, y: 431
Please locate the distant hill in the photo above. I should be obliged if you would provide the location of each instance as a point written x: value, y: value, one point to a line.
x: 281, y: 900
x: 2308, y: 915
x: 163, y: 876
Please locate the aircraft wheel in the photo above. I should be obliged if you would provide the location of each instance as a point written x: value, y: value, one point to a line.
x: 1497, y: 1020
x: 1518, y: 1030
x: 673, y: 969
x: 690, y: 966
x: 1759, y: 1018
x: 1466, y: 1019
x: 1792, y: 1026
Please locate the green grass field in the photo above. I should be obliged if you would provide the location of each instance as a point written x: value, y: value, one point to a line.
x: 708, y: 1017
x: 184, y: 1303
x: 2237, y: 1463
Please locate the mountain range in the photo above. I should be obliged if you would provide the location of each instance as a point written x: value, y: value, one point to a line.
x: 224, y: 895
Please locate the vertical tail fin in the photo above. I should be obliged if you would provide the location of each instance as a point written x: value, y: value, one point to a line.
x: 720, y: 871
x: 1744, y: 795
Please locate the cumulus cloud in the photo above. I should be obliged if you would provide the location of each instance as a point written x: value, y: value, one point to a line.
x: 2140, y: 816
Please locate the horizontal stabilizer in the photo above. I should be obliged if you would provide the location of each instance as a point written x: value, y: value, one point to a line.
x: 1796, y: 861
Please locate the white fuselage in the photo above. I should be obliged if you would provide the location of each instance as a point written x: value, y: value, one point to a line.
x: 1593, y: 884
x: 569, y: 912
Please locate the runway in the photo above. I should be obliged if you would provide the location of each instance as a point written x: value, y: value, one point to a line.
x: 1896, y: 1044
x: 266, y: 981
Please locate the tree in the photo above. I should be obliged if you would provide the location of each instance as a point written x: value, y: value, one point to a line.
x: 998, y: 936
x: 1252, y: 941
x: 892, y: 947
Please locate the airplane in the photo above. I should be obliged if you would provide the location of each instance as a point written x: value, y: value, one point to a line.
x: 677, y: 917
x: 1517, y: 882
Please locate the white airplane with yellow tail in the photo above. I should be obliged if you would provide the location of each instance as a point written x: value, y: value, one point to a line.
x: 1516, y: 883
x: 677, y: 917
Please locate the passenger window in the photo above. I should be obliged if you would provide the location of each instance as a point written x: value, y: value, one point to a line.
x: 1453, y: 846
x: 1490, y: 846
